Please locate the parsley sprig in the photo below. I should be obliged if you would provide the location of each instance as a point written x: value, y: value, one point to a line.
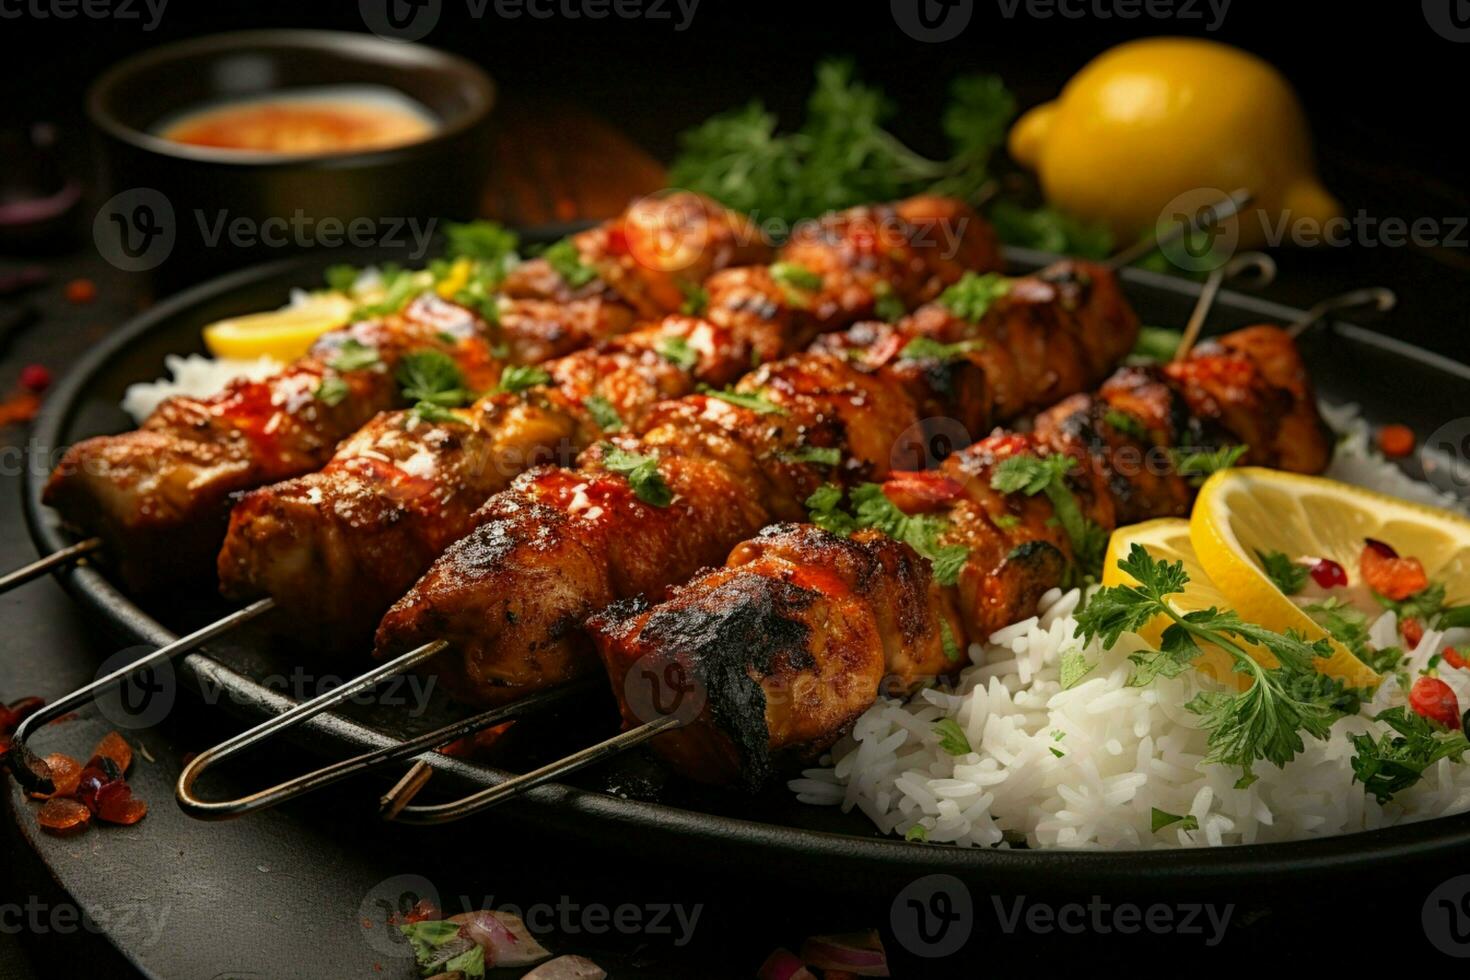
x: 1197, y: 464
x: 1389, y: 764
x: 755, y: 401
x: 432, y: 376
x: 974, y: 294
x: 642, y: 473
x: 1264, y: 722
x: 1285, y: 574
x: 871, y: 508
x: 567, y: 261
x: 517, y: 378
x: 1030, y: 475
x: 677, y: 351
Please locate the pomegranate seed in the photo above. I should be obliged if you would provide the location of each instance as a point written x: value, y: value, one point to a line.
x: 81, y: 291
x: 1396, y: 441
x: 90, y: 782
x: 127, y: 813
x: 35, y: 377
x: 1413, y: 631
x: 64, y: 816
x: 1328, y: 573
x: 1452, y: 657
x: 113, y: 746
x: 1433, y: 698
x: 1389, y: 575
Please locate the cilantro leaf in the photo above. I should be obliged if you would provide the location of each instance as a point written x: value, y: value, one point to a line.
x: 331, y: 390
x: 1284, y: 573
x: 341, y: 277
x: 887, y: 305
x: 871, y: 508
x: 431, y: 376
x: 603, y: 413
x: 567, y: 261
x: 677, y: 351
x: 354, y: 355
x: 824, y: 509
x: 519, y: 377
x: 926, y: 348
x: 696, y: 299
x: 1389, y: 764
x: 1050, y: 230
x: 483, y: 241
x: 1125, y: 423
x: 1157, y: 344
x: 952, y: 737
x: 1030, y: 475
x: 427, y: 411
x: 641, y: 472
x: 1197, y: 464
x: 821, y: 455
x: 974, y: 294
x: 1161, y: 819
x: 795, y: 276
x: 754, y: 401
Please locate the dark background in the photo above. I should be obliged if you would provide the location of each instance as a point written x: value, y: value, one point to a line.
x: 1384, y: 93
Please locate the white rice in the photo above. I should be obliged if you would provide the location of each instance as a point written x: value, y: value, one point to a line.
x: 1086, y: 767
x: 195, y: 376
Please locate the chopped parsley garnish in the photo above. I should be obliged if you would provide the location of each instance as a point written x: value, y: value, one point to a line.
x: 1264, y: 722
x: 1031, y: 475
x: 696, y: 299
x: 676, y: 351
x: 1349, y: 626
x: 952, y: 737
x: 354, y: 355
x: 1390, y: 764
x: 567, y: 261
x: 1197, y: 464
x: 1125, y: 423
x: 1161, y: 819
x: 1007, y: 522
x: 873, y: 509
x: 795, y: 276
x: 603, y: 413
x: 427, y: 411
x: 432, y: 376
x: 642, y: 473
x: 485, y: 242
x: 754, y: 401
x: 1050, y: 230
x: 332, y: 390
x: 927, y: 348
x: 518, y: 377
x: 1424, y: 605
x: 341, y: 277
x: 479, y: 292
x: 1284, y: 573
x: 947, y: 642
x: 1075, y: 666
x: 973, y: 295
x: 399, y: 286
x: 821, y: 455
x: 887, y: 305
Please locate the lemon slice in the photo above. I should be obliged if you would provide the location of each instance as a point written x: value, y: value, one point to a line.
x: 283, y: 334
x: 1167, y: 539
x: 1242, y: 511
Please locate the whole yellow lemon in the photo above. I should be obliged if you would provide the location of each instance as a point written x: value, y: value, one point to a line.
x: 1150, y: 120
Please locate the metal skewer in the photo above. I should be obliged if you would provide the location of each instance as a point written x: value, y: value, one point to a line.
x: 39, y: 567
x: 1261, y: 269
x: 1377, y: 299
x: 34, y: 780
x: 1149, y: 244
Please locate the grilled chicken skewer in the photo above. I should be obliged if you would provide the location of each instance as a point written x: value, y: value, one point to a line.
x: 158, y: 496
x: 334, y: 549
x: 703, y: 472
x: 783, y: 647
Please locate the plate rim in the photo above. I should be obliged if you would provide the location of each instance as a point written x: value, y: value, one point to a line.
x: 573, y: 810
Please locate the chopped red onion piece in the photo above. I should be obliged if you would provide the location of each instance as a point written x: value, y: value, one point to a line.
x: 567, y: 968
x: 858, y: 953
x: 504, y: 937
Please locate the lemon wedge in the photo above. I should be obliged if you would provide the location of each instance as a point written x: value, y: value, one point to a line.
x: 283, y: 334
x: 1241, y: 512
x: 1167, y: 539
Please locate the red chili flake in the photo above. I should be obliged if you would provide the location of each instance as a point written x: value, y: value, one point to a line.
x: 35, y: 378
x: 64, y: 816
x: 1433, y: 698
x: 1452, y: 657
x: 1389, y: 575
x: 81, y: 291
x: 1396, y: 441
x: 1413, y: 631
x: 66, y: 772
x: 1328, y: 573
x: 113, y: 746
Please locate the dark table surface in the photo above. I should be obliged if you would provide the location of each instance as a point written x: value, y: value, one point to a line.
x: 285, y: 894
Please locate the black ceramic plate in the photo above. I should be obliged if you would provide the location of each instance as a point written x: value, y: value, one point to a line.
x: 633, y: 803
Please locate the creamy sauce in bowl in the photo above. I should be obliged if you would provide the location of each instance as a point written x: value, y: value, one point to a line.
x: 322, y: 120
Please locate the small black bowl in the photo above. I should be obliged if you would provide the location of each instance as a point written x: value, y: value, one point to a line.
x: 186, y: 211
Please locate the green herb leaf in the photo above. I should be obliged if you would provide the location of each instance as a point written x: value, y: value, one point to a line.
x: 1391, y: 764
x: 1050, y: 230
x: 603, y: 413
x: 399, y: 286
x: 676, y: 351
x: 947, y: 642
x: 696, y: 299
x: 926, y: 348
x: 342, y: 277
x: 917, y: 832
x: 952, y: 738
x: 642, y: 473
x: 754, y: 401
x: 824, y: 509
x: 1074, y: 667
x: 1162, y: 819
x: 974, y: 294
x: 887, y: 305
x: 871, y: 508
x: 331, y: 390
x: 1198, y: 464
x: 820, y: 455
x: 434, y: 412
x: 432, y: 376
x: 795, y: 276
x: 1157, y: 344
x: 1125, y: 423
x: 1030, y: 475
x: 485, y: 242
x: 567, y: 261
x: 1424, y: 605
x: 518, y: 377
x: 354, y: 356
x: 1284, y: 573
